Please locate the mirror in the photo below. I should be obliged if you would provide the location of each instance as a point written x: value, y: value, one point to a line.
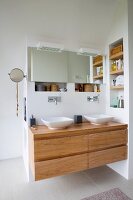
x: 65, y: 66
x: 16, y: 75
x: 78, y: 68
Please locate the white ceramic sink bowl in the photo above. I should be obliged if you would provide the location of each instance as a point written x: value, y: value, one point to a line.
x: 98, y: 118
x: 57, y: 122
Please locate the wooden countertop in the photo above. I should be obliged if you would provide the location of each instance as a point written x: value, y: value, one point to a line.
x: 42, y: 132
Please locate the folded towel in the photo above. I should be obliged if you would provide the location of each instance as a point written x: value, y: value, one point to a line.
x: 120, y: 80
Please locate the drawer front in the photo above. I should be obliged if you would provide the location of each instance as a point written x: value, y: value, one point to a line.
x: 61, y: 166
x: 103, y: 157
x: 59, y: 147
x: 109, y: 139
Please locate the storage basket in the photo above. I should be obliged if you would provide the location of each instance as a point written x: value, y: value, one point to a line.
x: 116, y: 50
x: 88, y: 88
x: 97, y: 59
x: 54, y: 87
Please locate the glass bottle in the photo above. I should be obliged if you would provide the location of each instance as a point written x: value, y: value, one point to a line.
x: 113, y: 66
x: 121, y: 102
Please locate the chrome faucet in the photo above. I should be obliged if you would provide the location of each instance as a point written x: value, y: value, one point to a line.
x: 55, y: 99
x: 93, y: 98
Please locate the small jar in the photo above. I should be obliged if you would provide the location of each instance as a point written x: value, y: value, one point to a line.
x: 40, y: 87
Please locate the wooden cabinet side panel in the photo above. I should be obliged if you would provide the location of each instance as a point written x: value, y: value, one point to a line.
x: 103, y: 157
x: 107, y: 139
x: 31, y: 153
x: 59, y: 147
x: 61, y: 166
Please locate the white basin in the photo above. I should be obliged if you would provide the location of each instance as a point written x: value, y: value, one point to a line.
x: 98, y: 118
x: 57, y: 122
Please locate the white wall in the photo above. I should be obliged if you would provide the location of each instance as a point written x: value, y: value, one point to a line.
x: 12, y: 54
x: 119, y: 30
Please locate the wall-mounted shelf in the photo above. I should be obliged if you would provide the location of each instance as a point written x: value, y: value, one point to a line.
x: 117, y: 87
x: 98, y: 76
x: 117, y: 72
x: 118, y: 55
x: 98, y: 63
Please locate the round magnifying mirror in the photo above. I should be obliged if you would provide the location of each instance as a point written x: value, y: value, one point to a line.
x: 16, y: 75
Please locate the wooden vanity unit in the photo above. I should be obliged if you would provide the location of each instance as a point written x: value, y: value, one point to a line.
x: 79, y: 147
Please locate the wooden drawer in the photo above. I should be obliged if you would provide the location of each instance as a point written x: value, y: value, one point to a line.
x: 103, y: 157
x: 107, y: 139
x: 61, y: 166
x: 59, y: 147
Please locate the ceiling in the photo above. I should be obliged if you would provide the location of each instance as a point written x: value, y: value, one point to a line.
x: 82, y: 22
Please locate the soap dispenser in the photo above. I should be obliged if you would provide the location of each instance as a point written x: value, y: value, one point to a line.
x: 32, y: 121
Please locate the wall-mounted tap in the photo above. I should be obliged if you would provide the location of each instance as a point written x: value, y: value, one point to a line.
x: 55, y: 99
x: 93, y: 98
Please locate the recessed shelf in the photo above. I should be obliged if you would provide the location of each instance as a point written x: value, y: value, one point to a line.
x: 117, y: 72
x: 120, y: 87
x: 97, y: 71
x: 86, y: 87
x: 116, y: 56
x: 116, y: 60
x: 117, y: 108
x: 98, y: 76
x: 50, y: 87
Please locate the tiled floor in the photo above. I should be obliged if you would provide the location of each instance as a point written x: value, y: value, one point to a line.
x: 13, y: 184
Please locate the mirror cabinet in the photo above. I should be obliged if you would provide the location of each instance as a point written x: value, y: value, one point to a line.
x: 66, y: 66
